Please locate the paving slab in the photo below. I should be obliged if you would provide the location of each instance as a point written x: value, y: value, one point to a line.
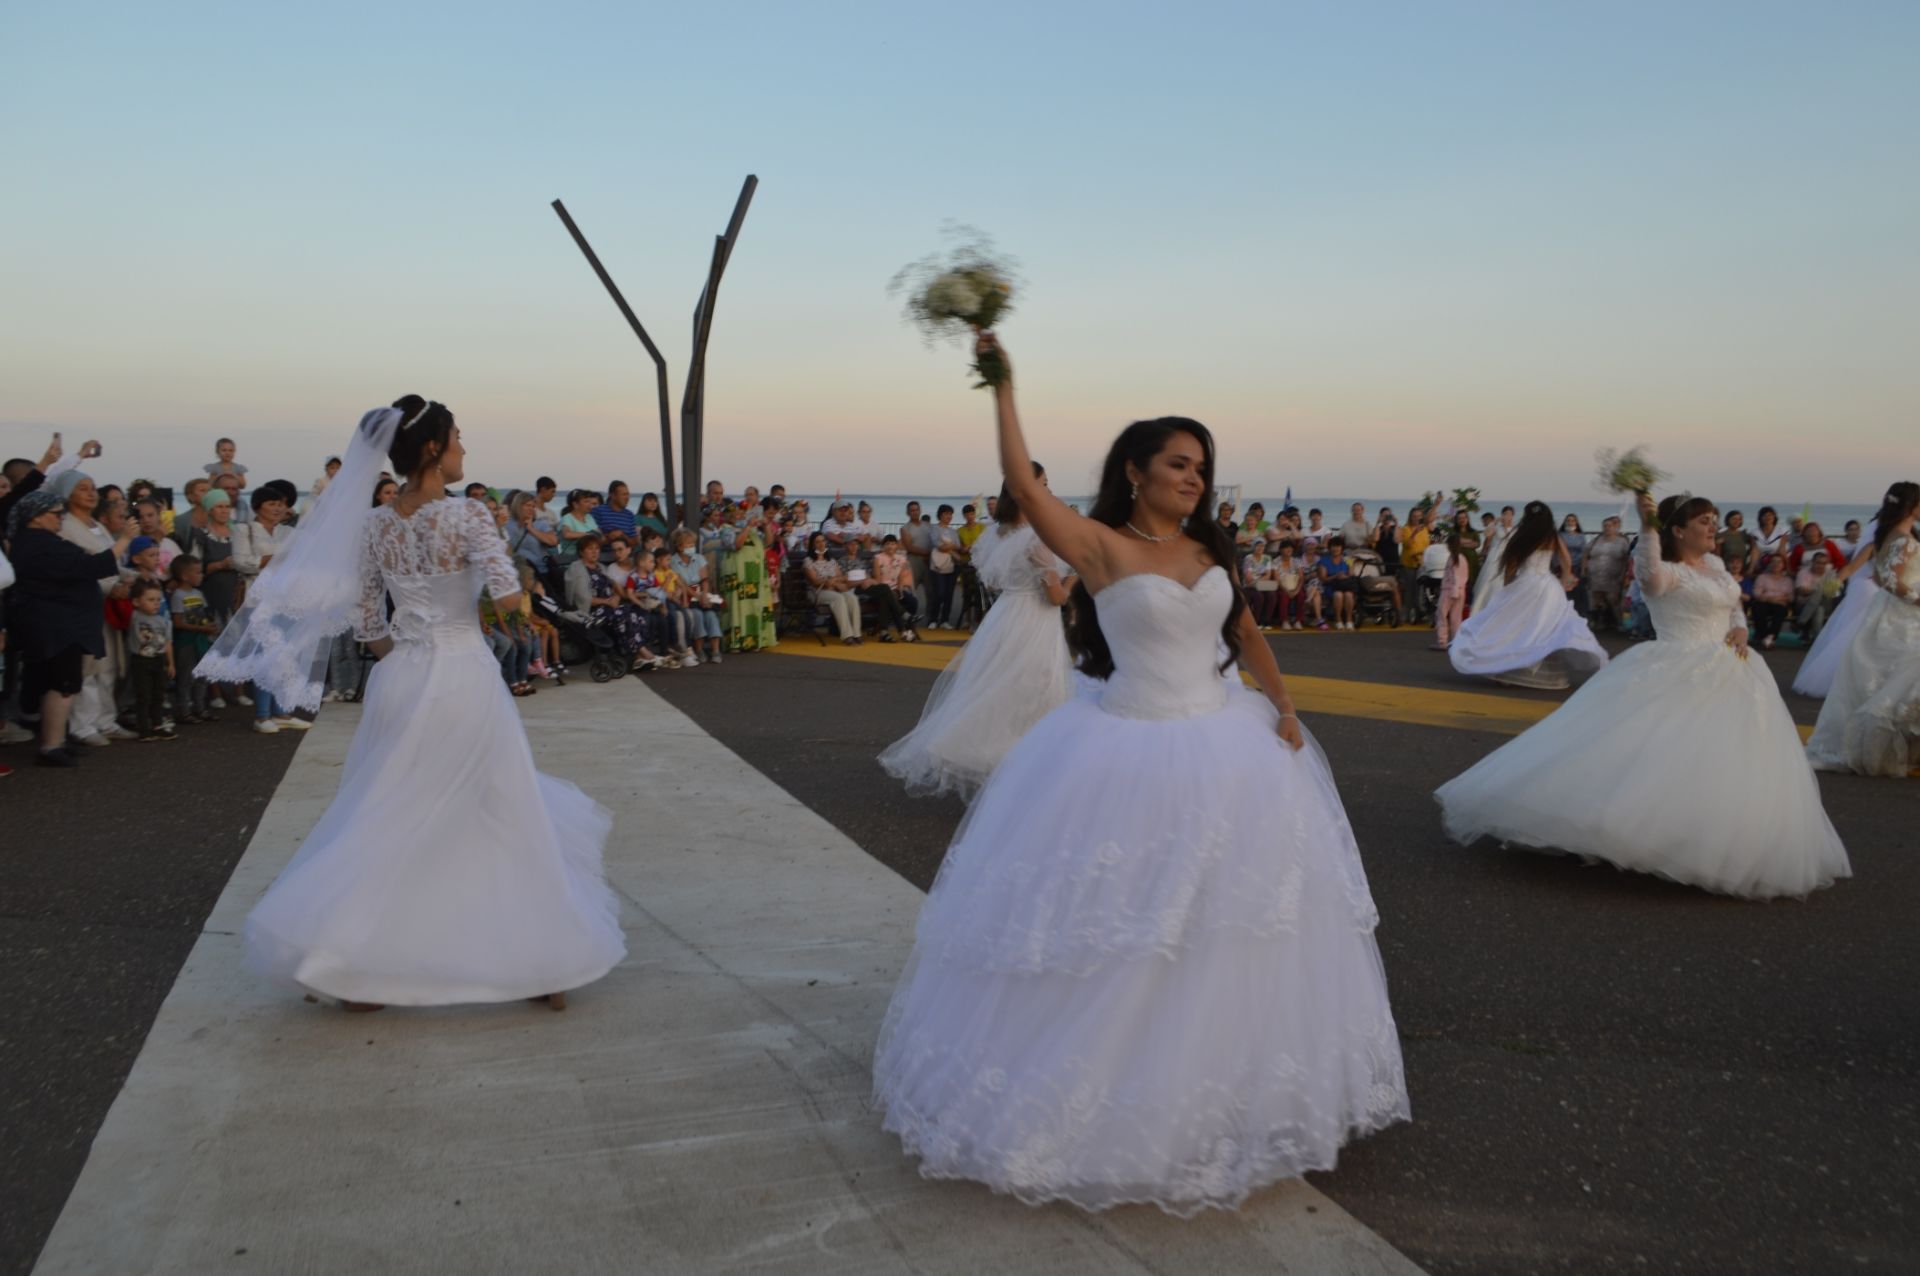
x: 703, y: 1108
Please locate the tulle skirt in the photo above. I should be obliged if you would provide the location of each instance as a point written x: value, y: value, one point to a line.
x: 447, y: 869
x: 1870, y: 724
x: 1146, y: 972
x: 1013, y: 672
x: 1678, y: 759
x: 1822, y: 664
x: 1522, y: 624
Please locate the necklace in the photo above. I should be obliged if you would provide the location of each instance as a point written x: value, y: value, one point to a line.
x: 1148, y: 536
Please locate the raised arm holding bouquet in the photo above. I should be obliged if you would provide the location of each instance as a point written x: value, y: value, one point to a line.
x: 1120, y: 914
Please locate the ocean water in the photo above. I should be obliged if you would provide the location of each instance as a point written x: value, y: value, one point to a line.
x: 890, y: 509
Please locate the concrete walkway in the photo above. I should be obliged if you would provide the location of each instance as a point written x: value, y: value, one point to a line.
x: 704, y: 1108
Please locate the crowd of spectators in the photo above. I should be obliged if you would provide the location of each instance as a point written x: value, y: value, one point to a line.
x: 115, y: 595
x: 1297, y: 572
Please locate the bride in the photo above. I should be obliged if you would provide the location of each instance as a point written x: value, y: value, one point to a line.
x: 1523, y: 628
x: 1013, y: 672
x: 1624, y: 771
x: 447, y: 869
x: 1871, y: 721
x: 1146, y: 972
x: 1822, y: 663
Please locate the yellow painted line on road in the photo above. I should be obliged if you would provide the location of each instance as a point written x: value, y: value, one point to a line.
x: 1338, y: 697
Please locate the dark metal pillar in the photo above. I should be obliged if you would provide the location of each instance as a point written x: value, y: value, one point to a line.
x: 659, y: 368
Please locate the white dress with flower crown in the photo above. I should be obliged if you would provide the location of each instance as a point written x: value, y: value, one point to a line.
x: 1146, y: 971
x: 447, y: 869
x: 1871, y: 721
x: 1679, y: 759
x: 1519, y: 623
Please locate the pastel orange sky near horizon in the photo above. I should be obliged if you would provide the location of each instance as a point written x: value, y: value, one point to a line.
x: 1376, y: 248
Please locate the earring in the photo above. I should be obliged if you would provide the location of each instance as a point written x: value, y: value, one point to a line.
x: 1136, y: 491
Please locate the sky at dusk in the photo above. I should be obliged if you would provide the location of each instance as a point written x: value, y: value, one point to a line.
x: 1375, y: 246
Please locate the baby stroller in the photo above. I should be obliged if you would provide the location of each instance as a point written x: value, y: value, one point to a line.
x: 582, y: 643
x: 1373, y: 597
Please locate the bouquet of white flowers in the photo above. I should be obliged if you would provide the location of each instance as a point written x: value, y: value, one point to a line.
x: 1628, y: 471
x: 1466, y: 498
x: 965, y: 290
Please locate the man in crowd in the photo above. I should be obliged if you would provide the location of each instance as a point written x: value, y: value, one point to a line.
x: 1736, y: 545
x: 544, y: 490
x: 612, y: 514
x: 918, y: 538
x: 1354, y: 532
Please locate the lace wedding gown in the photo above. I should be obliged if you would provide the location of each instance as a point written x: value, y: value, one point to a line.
x: 447, y: 869
x: 1146, y: 972
x: 1678, y: 759
x: 1522, y: 622
x: 1871, y: 720
x: 1013, y: 672
x: 1822, y: 664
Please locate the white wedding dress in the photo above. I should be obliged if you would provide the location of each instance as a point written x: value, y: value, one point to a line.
x: 447, y: 869
x: 1490, y: 575
x: 1822, y: 664
x: 1146, y: 972
x: 1678, y: 759
x: 1013, y: 672
x: 1523, y: 622
x: 1871, y: 721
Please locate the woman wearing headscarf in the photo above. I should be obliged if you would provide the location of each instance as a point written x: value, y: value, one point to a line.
x: 56, y: 616
x: 93, y: 720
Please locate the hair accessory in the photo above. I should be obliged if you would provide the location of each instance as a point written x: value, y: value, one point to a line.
x: 430, y: 406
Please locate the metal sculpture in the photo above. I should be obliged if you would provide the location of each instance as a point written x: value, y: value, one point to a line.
x: 694, y: 393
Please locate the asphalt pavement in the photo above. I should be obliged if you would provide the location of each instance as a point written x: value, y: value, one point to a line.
x: 1609, y: 1072
x: 107, y: 873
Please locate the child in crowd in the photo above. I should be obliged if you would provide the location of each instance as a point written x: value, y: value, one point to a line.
x: 536, y: 606
x: 512, y: 644
x: 149, y: 660
x: 193, y: 635
x: 686, y: 576
x: 666, y: 620
x: 1451, y: 608
x: 143, y: 564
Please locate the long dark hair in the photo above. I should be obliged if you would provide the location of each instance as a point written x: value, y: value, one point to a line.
x: 1536, y: 531
x: 1676, y: 512
x: 1901, y: 500
x: 1006, y: 511
x: 1138, y: 444
x: 408, y: 451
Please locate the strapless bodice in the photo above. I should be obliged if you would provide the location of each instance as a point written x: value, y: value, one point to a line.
x: 1165, y: 639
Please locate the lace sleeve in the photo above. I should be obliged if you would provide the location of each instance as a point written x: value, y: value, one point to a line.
x: 1655, y: 574
x: 481, y: 544
x: 370, y: 613
x: 1896, y: 571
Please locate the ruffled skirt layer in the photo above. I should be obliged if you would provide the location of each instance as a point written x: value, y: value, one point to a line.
x: 1146, y: 973
x: 1677, y: 759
